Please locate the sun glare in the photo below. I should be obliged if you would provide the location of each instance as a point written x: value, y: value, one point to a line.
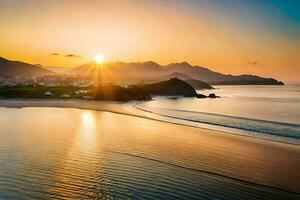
x: 99, y: 58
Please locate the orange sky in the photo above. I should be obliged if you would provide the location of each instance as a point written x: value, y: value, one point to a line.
x: 221, y: 37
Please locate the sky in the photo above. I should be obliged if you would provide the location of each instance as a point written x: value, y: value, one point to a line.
x: 259, y: 37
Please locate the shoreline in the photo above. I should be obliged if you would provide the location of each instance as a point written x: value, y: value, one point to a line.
x: 235, y: 151
x: 226, y: 129
x: 116, y: 107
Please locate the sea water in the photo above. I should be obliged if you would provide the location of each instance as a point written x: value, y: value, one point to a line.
x: 270, y: 112
x: 63, y: 153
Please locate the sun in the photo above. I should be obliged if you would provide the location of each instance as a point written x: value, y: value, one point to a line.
x: 99, y: 58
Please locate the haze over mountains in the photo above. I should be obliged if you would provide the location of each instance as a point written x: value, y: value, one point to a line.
x: 151, y: 71
x: 136, y: 72
x: 10, y: 68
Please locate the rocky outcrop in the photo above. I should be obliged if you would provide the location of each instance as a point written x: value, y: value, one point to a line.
x: 212, y: 95
x: 201, y: 96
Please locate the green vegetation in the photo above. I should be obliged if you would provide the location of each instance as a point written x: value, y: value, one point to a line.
x: 37, y: 92
x: 172, y: 87
x: 109, y: 92
x: 117, y: 93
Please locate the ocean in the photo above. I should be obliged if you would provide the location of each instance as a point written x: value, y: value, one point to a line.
x: 269, y: 112
x: 65, y: 153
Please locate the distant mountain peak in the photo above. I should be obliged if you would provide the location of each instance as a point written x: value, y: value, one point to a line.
x: 3, y: 59
x: 9, y: 68
x: 180, y: 64
x: 150, y: 62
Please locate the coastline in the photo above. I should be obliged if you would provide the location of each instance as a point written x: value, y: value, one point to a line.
x: 118, y: 107
x: 253, y: 160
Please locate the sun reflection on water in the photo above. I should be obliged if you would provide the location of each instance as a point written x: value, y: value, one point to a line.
x: 88, y: 122
x: 87, y: 134
x: 84, y: 153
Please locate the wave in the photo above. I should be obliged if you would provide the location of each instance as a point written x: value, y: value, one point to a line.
x: 285, y: 131
x: 217, y: 175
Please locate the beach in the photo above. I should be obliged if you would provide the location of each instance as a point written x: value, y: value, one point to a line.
x: 245, y: 160
x: 150, y: 100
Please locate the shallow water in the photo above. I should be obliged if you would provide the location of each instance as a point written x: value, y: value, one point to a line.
x: 79, y: 154
x: 270, y: 112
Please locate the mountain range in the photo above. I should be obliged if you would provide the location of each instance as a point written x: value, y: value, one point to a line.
x: 151, y: 71
x: 137, y: 72
x: 10, y: 69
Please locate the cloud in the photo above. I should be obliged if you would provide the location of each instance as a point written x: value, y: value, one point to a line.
x: 72, y: 56
x: 253, y: 63
x: 67, y: 55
